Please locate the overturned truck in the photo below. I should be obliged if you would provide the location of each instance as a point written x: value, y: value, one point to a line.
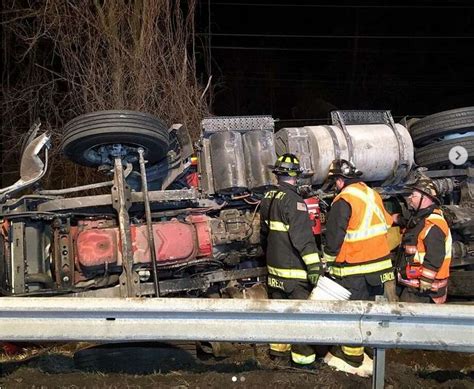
x: 166, y: 225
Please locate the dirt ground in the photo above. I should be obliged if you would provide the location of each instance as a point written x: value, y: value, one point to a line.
x: 246, y: 366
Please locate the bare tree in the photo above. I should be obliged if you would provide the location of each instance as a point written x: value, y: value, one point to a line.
x: 65, y: 58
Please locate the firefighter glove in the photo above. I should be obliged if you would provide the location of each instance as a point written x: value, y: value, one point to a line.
x: 329, y: 259
x: 314, y: 272
x: 425, y: 285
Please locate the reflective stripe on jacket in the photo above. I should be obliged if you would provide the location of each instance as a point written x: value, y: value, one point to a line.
x: 437, y: 274
x: 366, y: 240
x: 435, y: 219
x: 286, y: 233
x: 366, y: 268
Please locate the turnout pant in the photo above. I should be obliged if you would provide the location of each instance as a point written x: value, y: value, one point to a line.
x: 361, y: 289
x: 411, y: 295
x: 301, y: 354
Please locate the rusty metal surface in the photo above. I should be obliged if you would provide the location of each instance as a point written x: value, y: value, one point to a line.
x: 150, y: 234
x: 129, y: 282
x: 197, y: 282
x: 206, y: 180
x: 78, y: 203
x: 18, y: 264
x: 204, y: 281
x: 76, y: 188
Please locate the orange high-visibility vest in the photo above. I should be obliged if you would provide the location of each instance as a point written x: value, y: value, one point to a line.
x: 440, y: 277
x: 366, y: 234
x: 435, y: 219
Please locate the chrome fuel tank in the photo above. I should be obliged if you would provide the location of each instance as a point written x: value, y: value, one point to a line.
x: 376, y: 151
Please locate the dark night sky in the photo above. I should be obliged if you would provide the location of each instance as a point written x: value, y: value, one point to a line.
x: 298, y: 60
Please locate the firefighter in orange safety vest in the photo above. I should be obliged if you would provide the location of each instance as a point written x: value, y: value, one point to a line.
x: 423, y: 269
x: 356, y: 251
x: 293, y: 262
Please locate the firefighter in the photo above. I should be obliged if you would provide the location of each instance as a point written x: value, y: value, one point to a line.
x: 293, y: 262
x: 423, y: 270
x: 356, y: 252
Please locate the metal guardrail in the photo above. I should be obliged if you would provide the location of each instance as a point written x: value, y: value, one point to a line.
x: 373, y: 324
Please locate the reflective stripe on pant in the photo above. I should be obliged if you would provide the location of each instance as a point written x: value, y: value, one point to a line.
x: 355, y: 351
x: 353, y: 355
x: 301, y: 354
x: 360, y: 290
x: 303, y: 359
x: 280, y: 349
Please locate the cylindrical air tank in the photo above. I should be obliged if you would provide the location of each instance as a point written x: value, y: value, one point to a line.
x: 376, y: 151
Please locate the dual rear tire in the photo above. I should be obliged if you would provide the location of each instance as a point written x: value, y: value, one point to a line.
x: 435, y: 135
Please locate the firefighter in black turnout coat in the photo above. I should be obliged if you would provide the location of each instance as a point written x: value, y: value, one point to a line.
x: 293, y: 262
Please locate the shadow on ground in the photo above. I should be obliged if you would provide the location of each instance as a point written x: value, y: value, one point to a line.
x: 132, y: 358
x: 444, y: 376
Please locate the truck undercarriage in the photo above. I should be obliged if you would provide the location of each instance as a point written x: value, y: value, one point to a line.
x: 177, y: 228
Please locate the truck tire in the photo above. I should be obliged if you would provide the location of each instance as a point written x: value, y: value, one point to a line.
x: 461, y: 283
x: 459, y: 120
x: 85, y: 134
x: 436, y: 155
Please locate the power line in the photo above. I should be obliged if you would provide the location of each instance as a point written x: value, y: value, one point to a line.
x: 446, y: 83
x: 385, y: 79
x: 344, y: 6
x: 337, y: 36
x: 232, y: 71
x: 333, y: 50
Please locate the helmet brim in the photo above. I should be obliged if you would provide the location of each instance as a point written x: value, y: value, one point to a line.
x: 278, y: 170
x: 334, y: 175
x: 434, y: 198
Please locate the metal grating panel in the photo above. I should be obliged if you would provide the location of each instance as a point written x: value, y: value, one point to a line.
x: 361, y: 117
x: 237, y: 123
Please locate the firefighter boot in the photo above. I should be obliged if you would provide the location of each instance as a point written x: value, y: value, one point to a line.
x: 303, y: 357
x: 350, y: 360
x: 280, y: 353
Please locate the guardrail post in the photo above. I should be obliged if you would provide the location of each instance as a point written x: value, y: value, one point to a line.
x: 378, y: 376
